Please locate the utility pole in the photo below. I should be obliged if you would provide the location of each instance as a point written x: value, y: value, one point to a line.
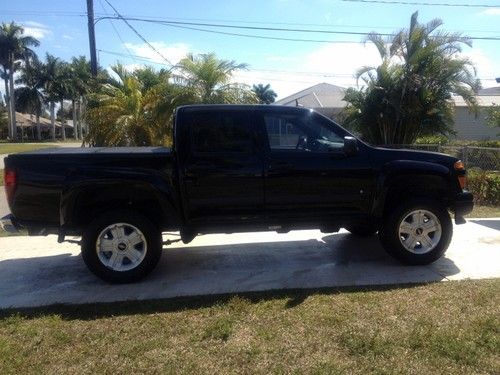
x: 93, y: 54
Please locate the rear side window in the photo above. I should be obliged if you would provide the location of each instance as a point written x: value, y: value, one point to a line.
x: 221, y: 132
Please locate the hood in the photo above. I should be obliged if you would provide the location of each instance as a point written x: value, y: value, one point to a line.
x: 425, y: 156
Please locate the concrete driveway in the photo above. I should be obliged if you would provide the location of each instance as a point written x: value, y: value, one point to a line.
x: 38, y: 271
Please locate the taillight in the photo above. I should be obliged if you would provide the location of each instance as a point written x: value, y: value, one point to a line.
x: 10, y: 182
x: 462, y: 177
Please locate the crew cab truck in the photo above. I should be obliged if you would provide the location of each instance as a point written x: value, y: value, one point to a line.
x: 235, y: 168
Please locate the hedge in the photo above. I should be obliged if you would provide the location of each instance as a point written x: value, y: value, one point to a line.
x: 485, y: 186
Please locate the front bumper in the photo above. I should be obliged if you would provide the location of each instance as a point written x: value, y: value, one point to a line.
x: 463, y: 203
x: 9, y: 224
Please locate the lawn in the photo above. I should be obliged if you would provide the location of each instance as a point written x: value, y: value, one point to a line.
x: 12, y: 148
x: 484, y: 211
x: 442, y: 328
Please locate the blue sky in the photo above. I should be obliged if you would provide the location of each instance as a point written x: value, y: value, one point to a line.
x: 289, y: 66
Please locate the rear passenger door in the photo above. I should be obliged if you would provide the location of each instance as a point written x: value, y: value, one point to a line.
x: 223, y: 171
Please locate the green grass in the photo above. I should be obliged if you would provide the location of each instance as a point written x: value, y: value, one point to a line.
x: 12, y: 148
x: 484, y: 211
x: 7, y: 234
x: 444, y: 328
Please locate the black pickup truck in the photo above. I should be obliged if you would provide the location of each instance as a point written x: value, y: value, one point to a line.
x: 235, y: 169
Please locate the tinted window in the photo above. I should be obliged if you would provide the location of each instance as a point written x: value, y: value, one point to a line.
x: 216, y: 132
x: 309, y: 133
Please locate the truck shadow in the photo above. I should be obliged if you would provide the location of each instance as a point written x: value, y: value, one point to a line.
x: 490, y: 223
x: 207, y: 274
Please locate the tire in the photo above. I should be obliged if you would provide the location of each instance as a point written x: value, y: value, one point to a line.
x: 121, y: 247
x: 417, y: 232
x: 361, y: 230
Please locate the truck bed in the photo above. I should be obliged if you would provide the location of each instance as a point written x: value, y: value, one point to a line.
x: 43, y: 174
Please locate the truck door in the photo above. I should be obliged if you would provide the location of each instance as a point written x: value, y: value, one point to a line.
x: 308, y: 175
x: 223, y: 171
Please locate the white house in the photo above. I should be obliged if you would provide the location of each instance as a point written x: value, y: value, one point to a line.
x: 328, y: 100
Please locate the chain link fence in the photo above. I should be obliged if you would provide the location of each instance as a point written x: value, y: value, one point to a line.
x: 484, y: 158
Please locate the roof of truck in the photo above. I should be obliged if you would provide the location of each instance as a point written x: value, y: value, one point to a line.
x: 98, y: 150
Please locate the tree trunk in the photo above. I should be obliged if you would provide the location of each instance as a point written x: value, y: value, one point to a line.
x: 7, y: 104
x: 53, y: 119
x: 80, y: 116
x: 75, y: 125
x: 38, y: 130
x: 63, y: 127
x: 12, y: 102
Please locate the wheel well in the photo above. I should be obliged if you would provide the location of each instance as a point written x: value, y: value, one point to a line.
x: 148, y: 208
x: 430, y: 187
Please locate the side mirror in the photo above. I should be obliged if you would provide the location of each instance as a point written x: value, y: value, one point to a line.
x: 350, y: 146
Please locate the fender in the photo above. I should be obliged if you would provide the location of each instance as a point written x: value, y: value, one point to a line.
x: 412, y: 173
x: 125, y: 185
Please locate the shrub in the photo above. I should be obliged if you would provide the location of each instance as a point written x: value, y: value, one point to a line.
x: 433, y: 140
x: 485, y: 186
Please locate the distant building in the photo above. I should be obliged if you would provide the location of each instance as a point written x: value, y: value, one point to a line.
x: 325, y: 98
x: 328, y: 100
x: 27, y: 127
x: 474, y: 128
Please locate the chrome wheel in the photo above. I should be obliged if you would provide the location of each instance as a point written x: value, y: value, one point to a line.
x: 420, y: 231
x: 121, y: 247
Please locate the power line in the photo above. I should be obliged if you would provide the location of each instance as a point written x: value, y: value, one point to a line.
x: 138, y: 34
x: 315, y: 74
x: 116, y: 31
x: 424, y: 3
x: 169, y: 19
x: 318, y: 31
x: 261, y: 36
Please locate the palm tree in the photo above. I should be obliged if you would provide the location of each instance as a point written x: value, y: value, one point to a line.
x: 210, y: 78
x: 116, y: 112
x: 80, y: 83
x: 136, y: 108
x: 408, y: 94
x: 4, y: 124
x: 264, y: 93
x: 14, y: 46
x: 29, y: 96
x: 52, y: 87
x: 64, y: 84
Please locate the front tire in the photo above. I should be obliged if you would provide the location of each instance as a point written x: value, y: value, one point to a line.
x: 121, y: 247
x: 417, y: 232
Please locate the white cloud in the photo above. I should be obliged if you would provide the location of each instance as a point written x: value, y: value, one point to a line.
x: 332, y: 63
x: 337, y: 64
x: 69, y: 37
x: 36, y: 29
x: 491, y: 12
x: 486, y: 68
x: 173, y: 52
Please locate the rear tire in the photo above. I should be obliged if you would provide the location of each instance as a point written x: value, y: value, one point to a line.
x: 121, y: 246
x: 417, y: 232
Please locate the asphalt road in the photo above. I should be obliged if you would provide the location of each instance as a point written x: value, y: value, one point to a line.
x: 39, y: 271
